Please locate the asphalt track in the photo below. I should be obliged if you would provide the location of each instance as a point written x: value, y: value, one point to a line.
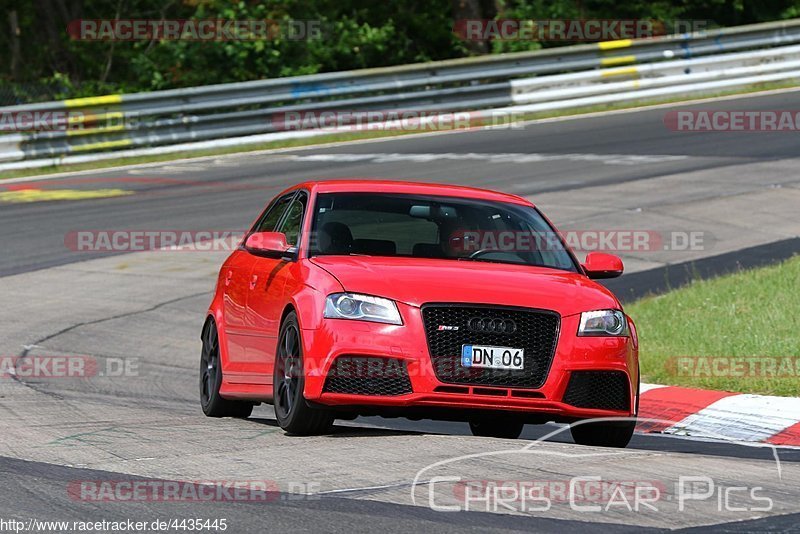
x: 618, y: 171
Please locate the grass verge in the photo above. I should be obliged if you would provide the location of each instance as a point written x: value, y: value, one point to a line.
x: 375, y: 134
x: 739, y: 332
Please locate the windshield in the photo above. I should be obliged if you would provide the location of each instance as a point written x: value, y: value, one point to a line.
x: 420, y: 226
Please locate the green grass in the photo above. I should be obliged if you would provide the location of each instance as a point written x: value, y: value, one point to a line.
x: 373, y: 134
x: 753, y: 313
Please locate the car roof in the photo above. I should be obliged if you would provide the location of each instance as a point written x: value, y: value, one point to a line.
x: 396, y: 186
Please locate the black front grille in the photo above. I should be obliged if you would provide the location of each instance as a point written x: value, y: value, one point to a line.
x: 450, y: 326
x: 368, y: 375
x: 602, y: 390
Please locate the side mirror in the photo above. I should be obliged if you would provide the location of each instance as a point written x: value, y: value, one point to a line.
x: 270, y: 244
x: 599, y: 265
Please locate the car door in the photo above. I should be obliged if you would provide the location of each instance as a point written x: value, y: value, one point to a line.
x: 234, y: 279
x: 266, y: 301
x: 236, y: 276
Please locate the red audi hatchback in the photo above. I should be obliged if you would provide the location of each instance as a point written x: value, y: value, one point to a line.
x: 351, y: 298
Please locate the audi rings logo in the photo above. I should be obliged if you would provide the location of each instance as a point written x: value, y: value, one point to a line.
x: 492, y: 325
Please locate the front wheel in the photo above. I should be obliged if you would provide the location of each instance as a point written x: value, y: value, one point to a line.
x: 603, y: 434
x: 496, y: 428
x: 294, y: 415
x: 211, y: 379
x: 607, y: 433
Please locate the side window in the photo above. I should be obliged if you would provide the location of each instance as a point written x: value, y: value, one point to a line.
x: 293, y: 221
x: 273, y: 215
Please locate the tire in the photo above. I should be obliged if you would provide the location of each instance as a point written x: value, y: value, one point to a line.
x: 606, y: 434
x: 601, y: 434
x: 211, y: 379
x: 496, y: 428
x: 293, y: 413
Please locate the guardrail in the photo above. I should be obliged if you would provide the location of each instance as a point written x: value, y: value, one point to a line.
x: 198, y: 118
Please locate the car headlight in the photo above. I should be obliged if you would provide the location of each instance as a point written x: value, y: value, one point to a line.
x: 603, y: 323
x: 362, y: 308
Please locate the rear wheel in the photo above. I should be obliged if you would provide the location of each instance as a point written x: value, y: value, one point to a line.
x: 294, y: 415
x: 496, y: 428
x: 211, y: 379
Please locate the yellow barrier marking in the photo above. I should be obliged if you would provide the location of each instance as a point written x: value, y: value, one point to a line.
x: 91, y: 131
x: 627, y: 71
x: 40, y: 195
x: 94, y: 117
x: 93, y: 101
x: 620, y: 60
x: 613, y: 45
x: 102, y: 145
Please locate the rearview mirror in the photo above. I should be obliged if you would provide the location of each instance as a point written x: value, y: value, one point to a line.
x: 599, y: 265
x: 432, y: 213
x: 270, y: 244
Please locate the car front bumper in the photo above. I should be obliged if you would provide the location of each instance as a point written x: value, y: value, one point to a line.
x: 408, y: 343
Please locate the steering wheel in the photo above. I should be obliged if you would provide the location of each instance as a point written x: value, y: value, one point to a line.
x: 478, y: 253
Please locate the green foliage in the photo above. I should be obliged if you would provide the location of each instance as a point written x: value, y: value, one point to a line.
x: 355, y: 34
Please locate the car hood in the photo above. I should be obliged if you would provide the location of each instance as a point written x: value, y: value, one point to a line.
x: 416, y: 281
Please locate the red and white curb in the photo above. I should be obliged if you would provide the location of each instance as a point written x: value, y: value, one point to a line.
x: 720, y: 415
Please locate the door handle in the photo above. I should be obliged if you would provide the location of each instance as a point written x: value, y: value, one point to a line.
x: 253, y: 281
x: 228, y: 277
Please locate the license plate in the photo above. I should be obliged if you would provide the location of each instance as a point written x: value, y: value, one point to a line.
x: 489, y: 357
